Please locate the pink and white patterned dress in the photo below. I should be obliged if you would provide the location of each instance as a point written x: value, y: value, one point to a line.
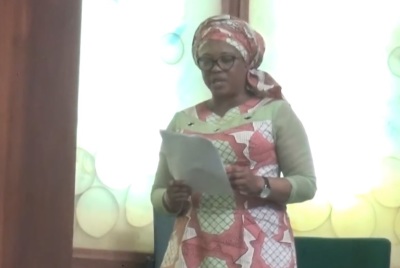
x: 239, y: 231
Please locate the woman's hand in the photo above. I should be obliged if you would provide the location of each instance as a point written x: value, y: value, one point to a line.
x: 176, y: 197
x: 243, y: 180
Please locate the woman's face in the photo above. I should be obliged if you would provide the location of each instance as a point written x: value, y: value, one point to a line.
x: 223, y: 68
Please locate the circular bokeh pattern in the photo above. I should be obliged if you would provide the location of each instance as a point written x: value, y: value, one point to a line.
x: 97, y: 211
x: 85, y: 173
x: 356, y: 219
x: 171, y: 48
x: 394, y: 61
x: 397, y: 225
x: 138, y: 207
x: 388, y: 193
x: 308, y: 215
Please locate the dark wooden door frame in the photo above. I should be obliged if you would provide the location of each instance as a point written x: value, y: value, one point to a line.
x: 39, y: 59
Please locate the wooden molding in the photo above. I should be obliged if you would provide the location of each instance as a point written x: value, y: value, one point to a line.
x: 237, y: 8
x: 93, y: 258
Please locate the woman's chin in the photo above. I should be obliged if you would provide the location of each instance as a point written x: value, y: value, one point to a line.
x: 220, y: 90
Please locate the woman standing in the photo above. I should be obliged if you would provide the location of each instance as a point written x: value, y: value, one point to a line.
x: 258, y: 136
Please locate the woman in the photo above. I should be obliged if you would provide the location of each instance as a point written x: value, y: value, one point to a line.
x: 258, y: 136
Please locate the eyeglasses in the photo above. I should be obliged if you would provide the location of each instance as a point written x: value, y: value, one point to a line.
x: 224, y: 62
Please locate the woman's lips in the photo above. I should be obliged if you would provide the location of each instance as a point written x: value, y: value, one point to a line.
x: 218, y: 80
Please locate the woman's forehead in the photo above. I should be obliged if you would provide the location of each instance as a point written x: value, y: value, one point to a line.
x: 216, y: 48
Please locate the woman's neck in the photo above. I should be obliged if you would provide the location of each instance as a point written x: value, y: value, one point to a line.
x: 222, y: 105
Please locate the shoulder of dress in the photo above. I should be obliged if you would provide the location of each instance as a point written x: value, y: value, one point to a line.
x: 270, y: 105
x: 191, y: 111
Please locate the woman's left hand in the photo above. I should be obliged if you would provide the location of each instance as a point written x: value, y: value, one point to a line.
x: 243, y: 180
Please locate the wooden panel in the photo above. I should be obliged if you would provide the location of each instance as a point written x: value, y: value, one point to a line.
x: 238, y: 8
x: 39, y: 45
x: 88, y: 258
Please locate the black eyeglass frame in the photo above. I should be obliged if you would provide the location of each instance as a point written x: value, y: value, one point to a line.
x: 219, y: 62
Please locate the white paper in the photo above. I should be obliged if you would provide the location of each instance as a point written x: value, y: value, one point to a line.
x: 195, y: 160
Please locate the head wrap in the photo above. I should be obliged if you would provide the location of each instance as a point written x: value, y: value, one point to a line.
x: 247, y: 41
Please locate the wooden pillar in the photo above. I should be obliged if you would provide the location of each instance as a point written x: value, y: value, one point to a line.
x: 238, y: 8
x: 39, y: 56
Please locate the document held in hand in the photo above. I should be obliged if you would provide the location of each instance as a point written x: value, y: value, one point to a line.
x: 195, y: 161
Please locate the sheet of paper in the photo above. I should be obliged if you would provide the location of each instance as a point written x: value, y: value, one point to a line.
x: 195, y: 160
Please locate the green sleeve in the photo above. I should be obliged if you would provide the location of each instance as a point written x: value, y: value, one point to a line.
x: 294, y: 154
x: 162, y: 177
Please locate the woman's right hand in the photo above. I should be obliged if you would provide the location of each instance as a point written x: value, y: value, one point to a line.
x: 176, y: 196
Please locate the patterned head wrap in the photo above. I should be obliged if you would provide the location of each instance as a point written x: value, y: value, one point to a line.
x: 247, y: 41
